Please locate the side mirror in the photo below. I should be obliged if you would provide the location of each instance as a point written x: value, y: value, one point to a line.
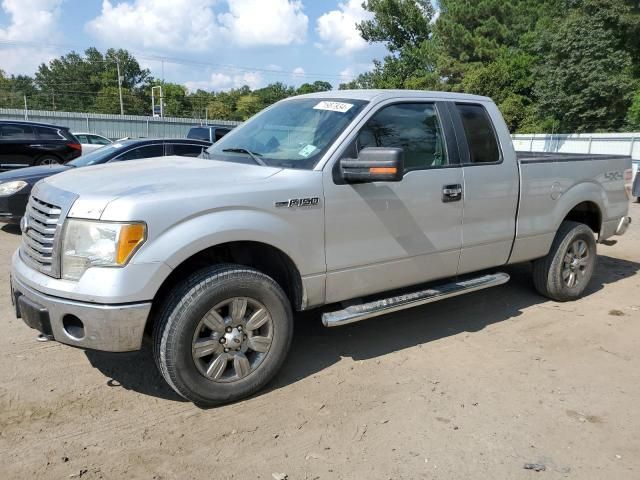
x: 374, y: 164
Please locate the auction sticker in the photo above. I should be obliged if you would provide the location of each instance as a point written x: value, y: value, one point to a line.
x: 306, y: 151
x: 333, y: 106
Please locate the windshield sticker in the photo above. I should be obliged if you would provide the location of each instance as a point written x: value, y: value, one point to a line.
x: 333, y: 106
x: 306, y: 151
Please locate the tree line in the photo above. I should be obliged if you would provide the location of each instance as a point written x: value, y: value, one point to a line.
x: 551, y: 66
x: 89, y: 83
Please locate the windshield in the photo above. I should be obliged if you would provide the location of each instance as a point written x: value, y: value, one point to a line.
x: 101, y: 155
x: 290, y: 134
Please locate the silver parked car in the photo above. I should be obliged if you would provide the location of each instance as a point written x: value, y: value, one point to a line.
x: 91, y: 141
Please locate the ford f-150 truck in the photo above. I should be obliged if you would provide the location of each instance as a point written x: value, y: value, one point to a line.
x: 371, y: 201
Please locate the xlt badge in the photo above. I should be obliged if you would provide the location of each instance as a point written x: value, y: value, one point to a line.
x: 299, y: 202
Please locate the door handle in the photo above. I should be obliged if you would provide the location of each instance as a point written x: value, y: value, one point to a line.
x: 452, y: 193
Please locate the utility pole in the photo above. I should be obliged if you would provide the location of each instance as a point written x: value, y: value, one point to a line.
x: 120, y: 87
x: 26, y: 115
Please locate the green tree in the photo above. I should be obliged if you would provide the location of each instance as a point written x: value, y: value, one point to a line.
x: 219, y: 110
x: 248, y: 105
x: 633, y: 115
x: 405, y: 27
x: 584, y: 75
x: 317, y: 86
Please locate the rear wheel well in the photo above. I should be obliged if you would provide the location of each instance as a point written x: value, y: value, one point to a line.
x: 587, y: 213
x: 261, y: 256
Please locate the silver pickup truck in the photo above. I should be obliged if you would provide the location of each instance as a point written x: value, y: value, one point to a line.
x: 370, y: 201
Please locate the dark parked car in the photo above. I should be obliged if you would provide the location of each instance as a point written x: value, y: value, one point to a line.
x: 209, y: 133
x: 15, y: 186
x: 23, y: 144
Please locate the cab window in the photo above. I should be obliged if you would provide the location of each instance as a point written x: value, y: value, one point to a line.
x: 481, y: 137
x: 414, y: 127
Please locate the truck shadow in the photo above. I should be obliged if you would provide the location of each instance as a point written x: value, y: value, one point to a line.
x: 316, y: 348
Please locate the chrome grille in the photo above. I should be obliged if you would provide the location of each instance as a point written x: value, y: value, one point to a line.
x: 40, y: 228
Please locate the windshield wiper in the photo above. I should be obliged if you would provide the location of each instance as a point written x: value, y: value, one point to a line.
x: 253, y: 155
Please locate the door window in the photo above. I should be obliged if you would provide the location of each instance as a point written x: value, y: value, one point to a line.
x: 147, y: 151
x: 185, y: 150
x: 481, y: 137
x: 16, y: 132
x: 414, y: 127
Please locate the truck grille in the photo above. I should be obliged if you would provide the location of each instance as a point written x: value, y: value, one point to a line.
x: 40, y: 231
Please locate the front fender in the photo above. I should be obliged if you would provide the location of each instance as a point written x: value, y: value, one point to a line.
x: 299, y: 236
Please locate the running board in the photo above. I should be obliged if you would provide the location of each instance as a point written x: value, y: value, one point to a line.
x: 355, y: 313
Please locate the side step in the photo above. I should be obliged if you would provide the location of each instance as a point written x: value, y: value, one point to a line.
x: 355, y: 313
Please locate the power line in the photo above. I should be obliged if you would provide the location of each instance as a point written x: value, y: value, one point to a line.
x: 180, y: 61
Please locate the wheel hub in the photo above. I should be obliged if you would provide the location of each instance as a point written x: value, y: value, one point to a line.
x: 233, y: 338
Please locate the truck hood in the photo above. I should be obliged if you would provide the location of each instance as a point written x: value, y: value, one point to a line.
x: 98, y: 185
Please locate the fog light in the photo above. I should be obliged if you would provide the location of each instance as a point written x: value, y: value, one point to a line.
x: 73, y: 327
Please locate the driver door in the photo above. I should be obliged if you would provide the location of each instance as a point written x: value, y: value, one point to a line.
x: 385, y: 235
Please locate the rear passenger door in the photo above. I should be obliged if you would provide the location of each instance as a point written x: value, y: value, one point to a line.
x: 491, y: 186
x: 386, y: 235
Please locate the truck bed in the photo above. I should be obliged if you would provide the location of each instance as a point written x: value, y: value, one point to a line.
x: 553, y: 183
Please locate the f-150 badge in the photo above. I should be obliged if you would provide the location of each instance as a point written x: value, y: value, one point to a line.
x: 299, y: 202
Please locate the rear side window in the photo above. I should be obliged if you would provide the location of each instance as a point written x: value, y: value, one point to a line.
x: 82, y: 139
x: 414, y: 127
x: 16, y: 132
x: 481, y: 137
x: 46, y: 133
x: 147, y: 151
x: 184, y: 150
x: 199, y: 134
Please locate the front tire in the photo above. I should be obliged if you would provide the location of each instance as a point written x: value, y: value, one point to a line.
x: 222, y: 334
x: 567, y: 269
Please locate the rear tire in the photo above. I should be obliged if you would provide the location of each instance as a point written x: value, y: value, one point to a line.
x: 222, y: 334
x: 567, y: 269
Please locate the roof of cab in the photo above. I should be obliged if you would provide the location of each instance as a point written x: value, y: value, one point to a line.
x: 381, y: 95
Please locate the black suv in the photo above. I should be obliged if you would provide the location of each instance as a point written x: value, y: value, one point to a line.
x: 23, y: 144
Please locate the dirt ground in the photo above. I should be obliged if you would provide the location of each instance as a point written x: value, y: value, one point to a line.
x: 474, y: 387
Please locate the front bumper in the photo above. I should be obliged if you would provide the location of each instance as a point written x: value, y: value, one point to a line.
x: 12, y: 207
x: 111, y: 328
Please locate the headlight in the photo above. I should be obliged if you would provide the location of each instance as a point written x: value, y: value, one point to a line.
x: 9, y: 188
x: 98, y: 244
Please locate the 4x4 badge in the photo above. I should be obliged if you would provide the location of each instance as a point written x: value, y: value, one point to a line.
x: 299, y: 202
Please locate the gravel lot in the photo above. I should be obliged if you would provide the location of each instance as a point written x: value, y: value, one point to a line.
x: 474, y: 387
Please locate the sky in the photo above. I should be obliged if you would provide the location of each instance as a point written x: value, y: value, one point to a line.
x: 209, y: 44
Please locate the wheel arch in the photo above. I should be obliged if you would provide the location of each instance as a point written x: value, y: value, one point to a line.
x: 261, y: 256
